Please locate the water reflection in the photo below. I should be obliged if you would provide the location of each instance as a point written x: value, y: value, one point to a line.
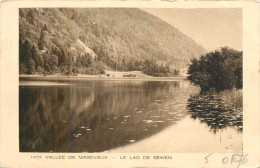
x: 214, y: 112
x: 188, y: 135
x: 94, y: 116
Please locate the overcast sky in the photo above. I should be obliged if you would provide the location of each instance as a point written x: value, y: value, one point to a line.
x: 211, y: 28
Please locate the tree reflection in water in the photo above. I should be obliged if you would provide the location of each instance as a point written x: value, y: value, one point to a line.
x: 214, y: 112
x: 94, y: 116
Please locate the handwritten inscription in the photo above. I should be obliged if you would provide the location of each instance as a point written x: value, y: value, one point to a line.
x: 236, y: 158
x: 239, y: 158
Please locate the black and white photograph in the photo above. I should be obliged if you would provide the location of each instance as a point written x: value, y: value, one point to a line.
x: 130, y: 80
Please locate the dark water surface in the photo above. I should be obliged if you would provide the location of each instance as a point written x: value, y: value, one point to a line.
x: 96, y: 116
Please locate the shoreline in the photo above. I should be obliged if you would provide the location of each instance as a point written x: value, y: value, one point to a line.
x: 100, y: 77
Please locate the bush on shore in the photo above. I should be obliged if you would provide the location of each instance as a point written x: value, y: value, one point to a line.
x: 219, y: 73
x: 221, y: 70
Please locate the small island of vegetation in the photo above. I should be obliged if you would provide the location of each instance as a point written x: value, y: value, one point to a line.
x: 219, y: 73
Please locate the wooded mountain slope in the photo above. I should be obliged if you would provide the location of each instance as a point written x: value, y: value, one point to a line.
x: 91, y: 40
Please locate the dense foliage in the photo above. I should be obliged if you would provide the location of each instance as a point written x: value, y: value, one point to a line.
x: 89, y: 41
x: 221, y: 69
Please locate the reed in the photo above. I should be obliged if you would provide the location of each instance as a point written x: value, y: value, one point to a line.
x: 233, y: 98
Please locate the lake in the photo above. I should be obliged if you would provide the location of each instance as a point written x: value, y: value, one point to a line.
x: 123, y: 116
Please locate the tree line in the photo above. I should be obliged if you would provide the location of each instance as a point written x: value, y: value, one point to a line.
x: 60, y: 59
x: 58, y: 37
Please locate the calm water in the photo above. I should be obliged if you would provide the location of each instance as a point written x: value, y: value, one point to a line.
x: 96, y: 116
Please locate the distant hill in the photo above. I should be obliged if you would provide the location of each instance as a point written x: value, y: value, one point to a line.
x: 91, y: 40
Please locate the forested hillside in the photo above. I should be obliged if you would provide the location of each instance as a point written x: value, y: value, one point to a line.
x: 89, y: 41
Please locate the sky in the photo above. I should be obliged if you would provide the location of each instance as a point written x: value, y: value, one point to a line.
x: 211, y: 28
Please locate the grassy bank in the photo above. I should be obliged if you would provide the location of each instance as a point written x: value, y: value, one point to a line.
x: 233, y: 98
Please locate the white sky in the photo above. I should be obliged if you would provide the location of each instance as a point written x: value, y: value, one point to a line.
x: 211, y: 28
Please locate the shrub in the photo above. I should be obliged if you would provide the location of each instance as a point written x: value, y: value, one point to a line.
x: 221, y: 69
x: 129, y: 75
x: 102, y: 71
